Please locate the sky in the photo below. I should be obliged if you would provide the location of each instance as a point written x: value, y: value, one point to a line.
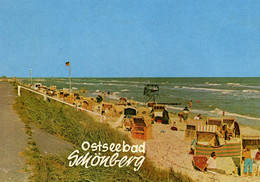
x: 130, y: 38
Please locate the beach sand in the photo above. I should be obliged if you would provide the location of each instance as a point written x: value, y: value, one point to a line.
x: 168, y: 149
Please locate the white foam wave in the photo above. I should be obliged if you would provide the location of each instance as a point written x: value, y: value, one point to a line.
x: 114, y: 84
x: 39, y: 80
x: 121, y: 81
x: 243, y: 86
x: 113, y: 97
x: 250, y: 91
x: 212, y: 84
x: 217, y: 111
x: 181, y: 108
x: 125, y: 90
x: 208, y: 89
x: 75, y: 83
x: 89, y: 84
x: 234, y: 84
x: 220, y: 112
x: 225, y: 92
x: 175, y: 108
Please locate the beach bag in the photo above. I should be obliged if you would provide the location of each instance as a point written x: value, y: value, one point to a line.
x: 174, y: 128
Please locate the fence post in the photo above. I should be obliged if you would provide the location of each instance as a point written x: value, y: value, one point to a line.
x: 44, y: 97
x: 19, y: 90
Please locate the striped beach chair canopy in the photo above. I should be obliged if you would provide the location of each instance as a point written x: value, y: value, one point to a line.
x: 207, y: 128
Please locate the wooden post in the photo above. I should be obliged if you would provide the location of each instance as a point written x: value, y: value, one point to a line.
x: 70, y: 78
x: 241, y: 167
x: 19, y: 90
x: 101, y: 116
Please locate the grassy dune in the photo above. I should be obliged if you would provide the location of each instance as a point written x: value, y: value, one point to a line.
x: 76, y: 127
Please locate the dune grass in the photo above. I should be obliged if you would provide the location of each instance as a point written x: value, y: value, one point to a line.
x: 76, y: 127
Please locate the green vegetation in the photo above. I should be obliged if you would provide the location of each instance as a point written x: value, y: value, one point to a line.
x: 76, y: 127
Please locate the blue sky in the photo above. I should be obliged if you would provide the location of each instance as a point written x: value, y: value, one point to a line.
x: 130, y: 38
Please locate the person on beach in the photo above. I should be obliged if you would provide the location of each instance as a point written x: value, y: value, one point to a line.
x: 184, y: 114
x: 236, y: 129
x: 231, y: 129
x: 257, y: 161
x: 180, y: 115
x: 193, y: 146
x: 211, y: 165
x: 247, y: 160
x: 198, y: 117
x: 225, y: 131
x: 165, y: 118
x: 190, y: 104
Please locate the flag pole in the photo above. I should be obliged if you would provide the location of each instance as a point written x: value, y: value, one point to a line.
x: 70, y: 77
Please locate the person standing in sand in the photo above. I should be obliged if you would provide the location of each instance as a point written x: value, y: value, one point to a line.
x: 180, y: 115
x: 184, y: 114
x: 193, y: 146
x: 190, y: 104
x: 236, y: 129
x: 257, y: 161
x: 248, y: 160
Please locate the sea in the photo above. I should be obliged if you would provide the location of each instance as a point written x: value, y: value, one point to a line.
x: 239, y: 97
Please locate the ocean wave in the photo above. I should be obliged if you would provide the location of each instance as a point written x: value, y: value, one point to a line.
x: 225, y: 92
x: 212, y: 84
x: 133, y: 82
x: 115, y: 97
x: 116, y: 84
x: 220, y: 112
x: 40, y: 80
x: 76, y: 83
x: 216, y: 111
x: 243, y: 86
x: 199, y: 111
x: 125, y: 90
x: 121, y: 81
x: 234, y: 84
x: 208, y: 89
x: 175, y: 108
x: 88, y: 83
x: 250, y: 91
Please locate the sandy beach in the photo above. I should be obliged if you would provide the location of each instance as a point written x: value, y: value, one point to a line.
x: 168, y: 149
